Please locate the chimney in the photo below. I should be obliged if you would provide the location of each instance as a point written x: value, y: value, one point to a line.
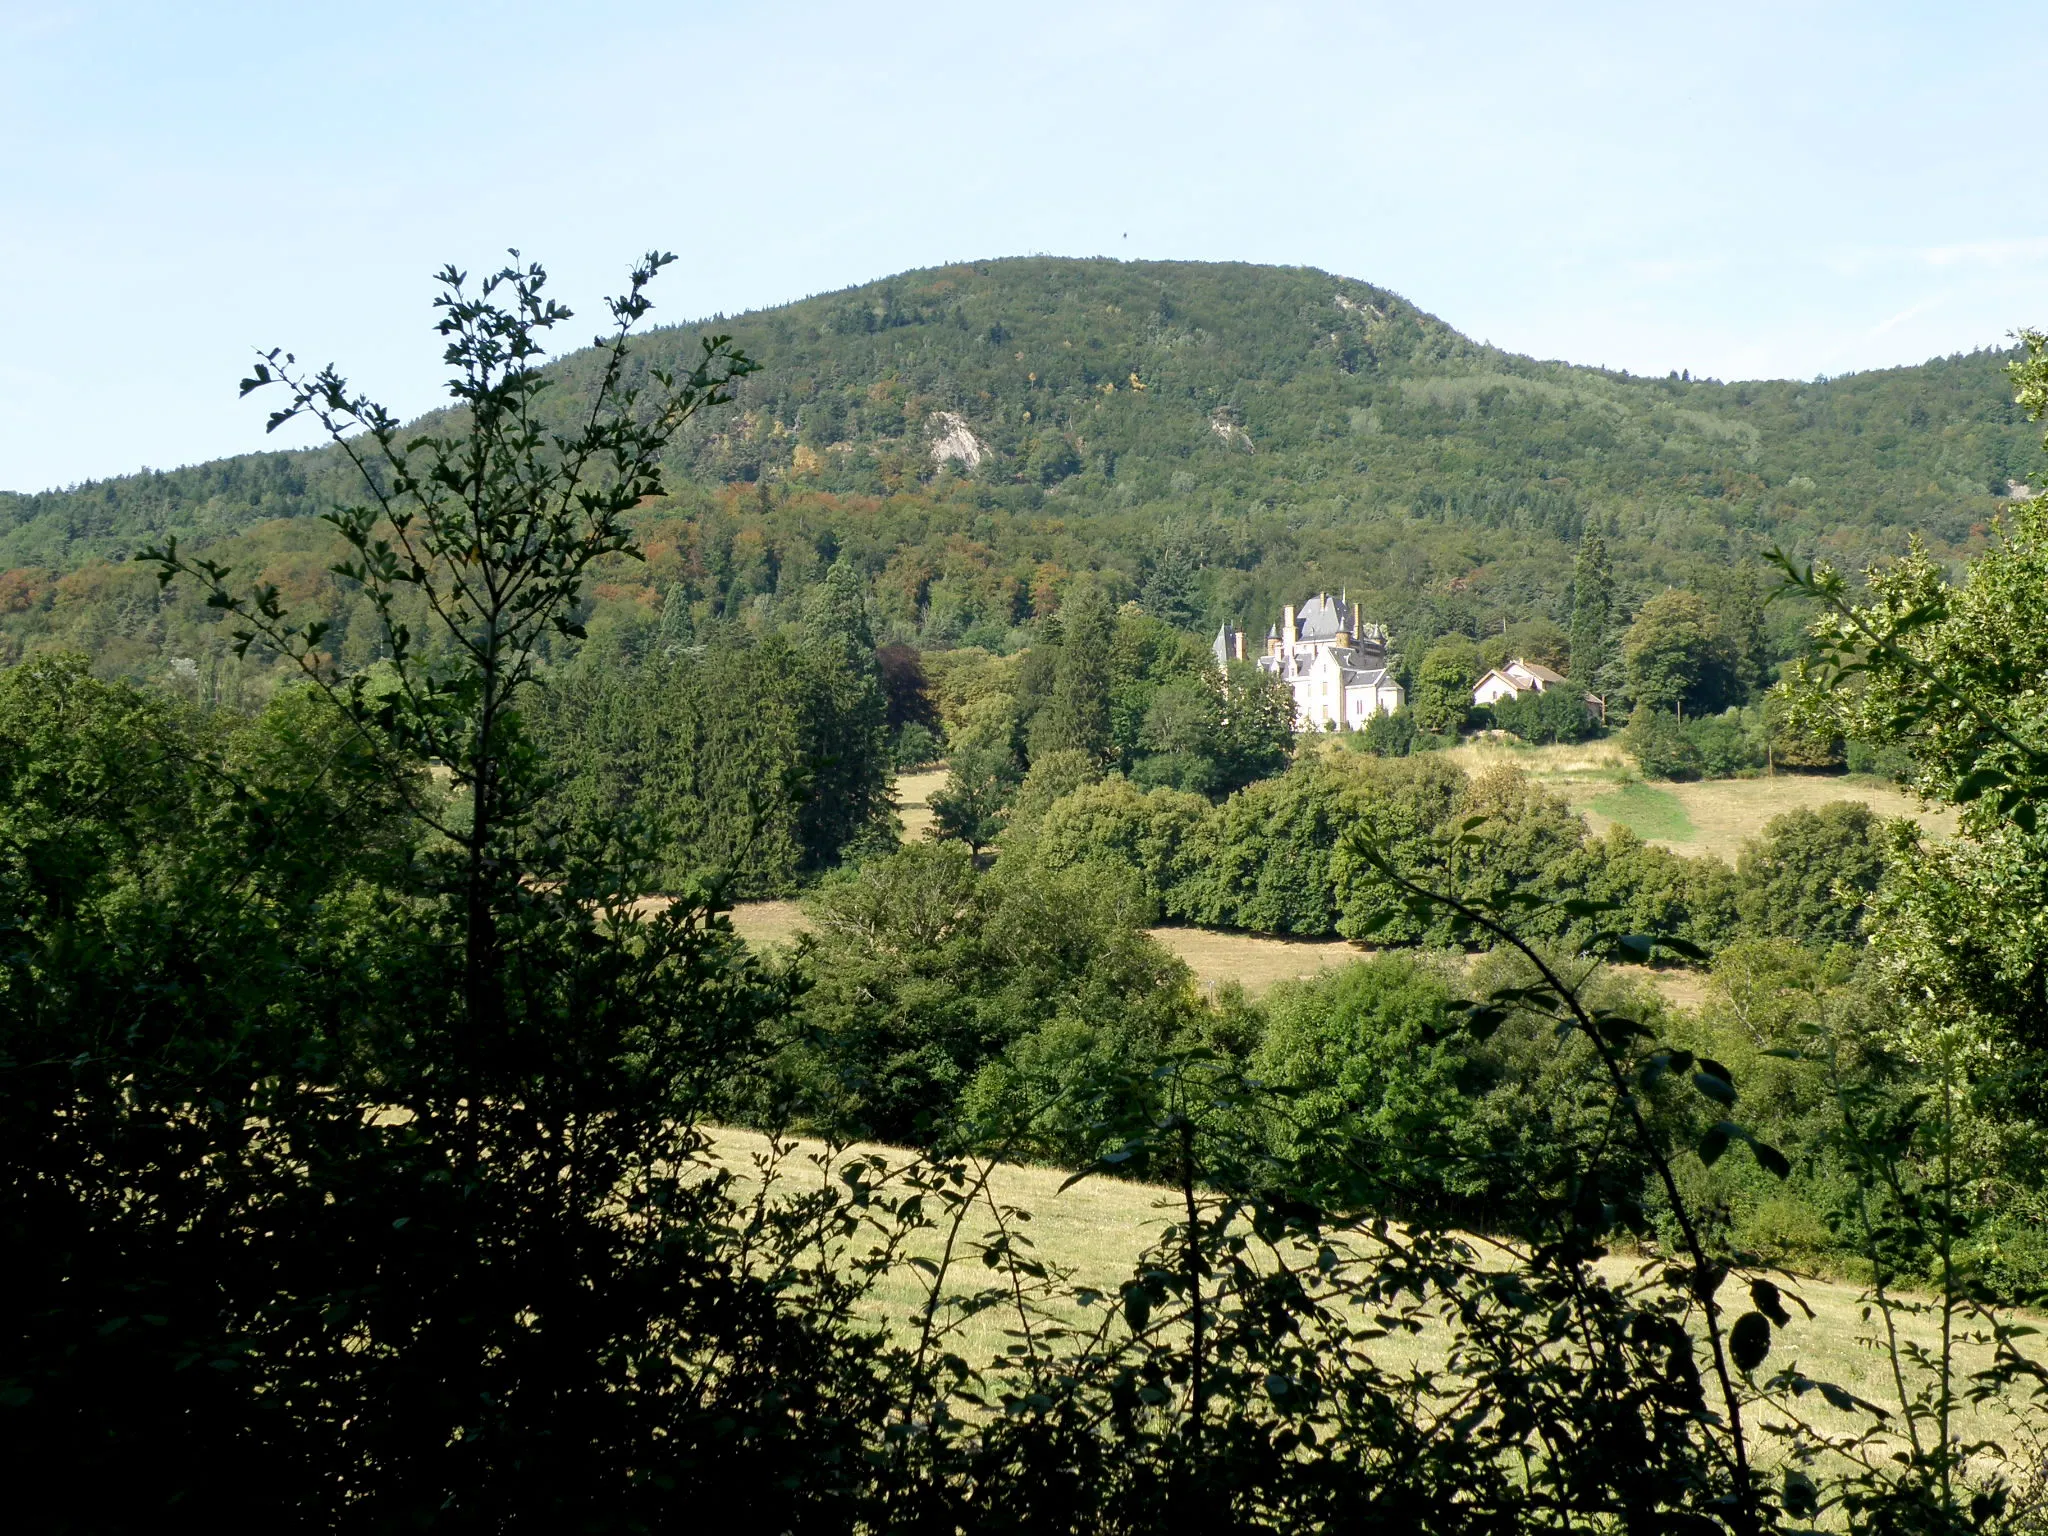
x: 1287, y: 625
x: 1237, y: 638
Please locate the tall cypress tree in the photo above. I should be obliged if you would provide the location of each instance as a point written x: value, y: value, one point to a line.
x: 1592, y: 611
x: 836, y: 614
x: 1173, y: 584
x: 1742, y: 626
x: 845, y: 714
x: 1077, y: 714
x: 676, y: 630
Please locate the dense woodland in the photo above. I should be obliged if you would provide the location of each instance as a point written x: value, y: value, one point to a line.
x: 371, y: 1018
x: 1214, y: 439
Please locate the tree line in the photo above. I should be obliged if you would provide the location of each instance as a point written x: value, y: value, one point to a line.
x: 1271, y: 859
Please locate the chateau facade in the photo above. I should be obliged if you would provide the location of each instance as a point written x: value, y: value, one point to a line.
x: 1336, y: 665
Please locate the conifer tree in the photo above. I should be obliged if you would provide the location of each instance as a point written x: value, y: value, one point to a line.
x: 1592, y: 610
x: 1742, y: 628
x: 1077, y: 715
x: 836, y: 613
x: 676, y: 630
x: 1172, y: 589
x: 846, y: 712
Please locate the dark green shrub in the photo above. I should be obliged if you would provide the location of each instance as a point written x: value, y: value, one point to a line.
x: 1727, y: 744
x: 1371, y: 1047
x: 1659, y: 892
x: 1190, y: 771
x: 1811, y: 875
x: 1387, y: 735
x: 1660, y: 745
x: 1269, y: 867
x: 925, y: 970
x: 1523, y: 842
x: 1558, y: 714
x: 1889, y: 761
x: 1164, y: 836
x: 916, y: 746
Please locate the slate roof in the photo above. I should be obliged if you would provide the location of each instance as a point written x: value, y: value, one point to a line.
x: 1356, y: 673
x: 1319, y: 619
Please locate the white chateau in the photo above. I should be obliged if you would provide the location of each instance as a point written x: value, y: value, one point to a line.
x: 1336, y: 665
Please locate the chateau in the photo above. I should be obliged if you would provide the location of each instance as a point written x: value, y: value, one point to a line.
x: 1336, y: 665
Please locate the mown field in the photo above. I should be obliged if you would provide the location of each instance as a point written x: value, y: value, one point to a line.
x: 1715, y: 816
x: 1254, y: 961
x: 1096, y: 1230
x: 913, y: 800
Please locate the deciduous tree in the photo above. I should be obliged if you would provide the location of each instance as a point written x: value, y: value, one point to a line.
x: 1675, y: 657
x: 1443, y: 685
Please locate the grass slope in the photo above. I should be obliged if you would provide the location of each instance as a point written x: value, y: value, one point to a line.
x: 1099, y: 1227
x: 1714, y: 816
x: 1655, y: 815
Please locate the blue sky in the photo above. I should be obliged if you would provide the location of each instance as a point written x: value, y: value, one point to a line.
x: 1741, y: 190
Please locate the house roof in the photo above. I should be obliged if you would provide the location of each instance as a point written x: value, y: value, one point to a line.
x: 1356, y: 666
x: 1356, y: 673
x: 1537, y: 670
x: 1319, y: 619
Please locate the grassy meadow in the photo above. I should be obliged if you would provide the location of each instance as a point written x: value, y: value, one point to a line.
x: 913, y: 800
x: 1713, y: 816
x: 1653, y: 814
x: 1257, y: 962
x: 1096, y: 1230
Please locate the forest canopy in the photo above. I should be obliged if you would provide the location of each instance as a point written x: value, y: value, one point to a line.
x: 1211, y: 439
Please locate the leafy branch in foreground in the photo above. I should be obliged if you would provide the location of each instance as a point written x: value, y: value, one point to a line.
x: 485, y: 529
x: 1952, y: 672
x: 1613, y: 1037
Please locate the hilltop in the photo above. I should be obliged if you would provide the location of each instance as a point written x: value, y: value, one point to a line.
x: 1272, y: 428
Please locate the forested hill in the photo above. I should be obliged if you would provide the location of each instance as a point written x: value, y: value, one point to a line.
x: 1282, y: 425
x: 1225, y: 387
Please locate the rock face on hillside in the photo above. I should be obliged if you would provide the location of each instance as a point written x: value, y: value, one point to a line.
x: 951, y: 439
